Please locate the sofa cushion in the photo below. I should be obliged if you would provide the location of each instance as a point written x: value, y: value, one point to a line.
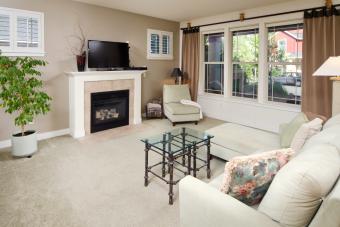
x: 247, y: 178
x: 305, y: 132
x: 287, y: 133
x: 296, y: 191
x: 178, y: 108
x: 328, y: 213
x: 332, y: 122
x: 329, y: 135
x: 175, y: 93
x: 243, y: 140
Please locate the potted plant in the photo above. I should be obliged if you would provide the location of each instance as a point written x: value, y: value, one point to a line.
x: 21, y: 95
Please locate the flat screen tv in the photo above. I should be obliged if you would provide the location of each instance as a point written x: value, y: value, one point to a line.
x: 107, y: 55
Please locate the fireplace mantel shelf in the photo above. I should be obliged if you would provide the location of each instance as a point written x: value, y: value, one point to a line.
x: 102, y: 73
x: 77, y: 82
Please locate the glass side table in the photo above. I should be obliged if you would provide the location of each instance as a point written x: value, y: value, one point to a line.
x: 181, y: 143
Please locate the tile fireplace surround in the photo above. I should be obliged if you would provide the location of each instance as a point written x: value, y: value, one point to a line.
x: 82, y: 84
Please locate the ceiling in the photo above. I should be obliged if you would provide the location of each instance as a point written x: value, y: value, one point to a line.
x: 181, y: 10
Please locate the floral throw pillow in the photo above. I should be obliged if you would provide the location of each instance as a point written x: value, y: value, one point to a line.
x: 247, y: 178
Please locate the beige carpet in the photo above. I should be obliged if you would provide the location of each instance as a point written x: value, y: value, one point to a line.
x: 95, y: 181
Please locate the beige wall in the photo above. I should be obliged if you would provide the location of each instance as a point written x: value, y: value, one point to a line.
x: 61, y: 20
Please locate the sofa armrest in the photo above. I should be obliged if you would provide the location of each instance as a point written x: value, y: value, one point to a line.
x: 202, y: 205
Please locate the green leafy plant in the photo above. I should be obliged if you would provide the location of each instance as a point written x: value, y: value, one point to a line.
x: 20, y: 89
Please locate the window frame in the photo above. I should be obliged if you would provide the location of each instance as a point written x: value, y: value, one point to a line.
x: 204, y: 63
x: 160, y: 55
x: 13, y: 49
x: 232, y: 63
x: 261, y: 24
x: 268, y: 62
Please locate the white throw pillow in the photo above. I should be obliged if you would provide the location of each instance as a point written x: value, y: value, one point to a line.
x: 305, y: 132
x: 298, y: 188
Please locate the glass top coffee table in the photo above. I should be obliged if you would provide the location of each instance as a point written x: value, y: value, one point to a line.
x: 181, y: 143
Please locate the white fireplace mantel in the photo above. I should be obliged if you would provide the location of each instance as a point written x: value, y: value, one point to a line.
x: 77, y: 82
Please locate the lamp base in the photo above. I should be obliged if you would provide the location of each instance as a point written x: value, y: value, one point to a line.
x: 179, y: 80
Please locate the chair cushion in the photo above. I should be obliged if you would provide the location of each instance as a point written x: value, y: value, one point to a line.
x: 178, y: 109
x: 287, y: 133
x: 305, y: 132
x: 247, y: 178
x: 297, y: 190
x: 232, y: 137
x: 175, y: 93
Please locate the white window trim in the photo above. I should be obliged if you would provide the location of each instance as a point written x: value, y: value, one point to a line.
x: 262, y: 24
x: 159, y: 56
x: 13, y: 50
x: 201, y: 81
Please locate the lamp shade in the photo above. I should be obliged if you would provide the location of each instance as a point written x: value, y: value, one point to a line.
x: 176, y: 72
x: 331, y: 67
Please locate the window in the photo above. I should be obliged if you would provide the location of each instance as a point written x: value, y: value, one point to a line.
x: 245, y: 50
x: 284, y: 63
x: 214, y: 63
x: 21, y: 32
x: 159, y: 45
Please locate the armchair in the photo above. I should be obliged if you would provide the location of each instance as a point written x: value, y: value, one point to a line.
x: 176, y: 111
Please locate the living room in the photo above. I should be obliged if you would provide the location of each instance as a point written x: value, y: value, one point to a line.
x: 209, y: 113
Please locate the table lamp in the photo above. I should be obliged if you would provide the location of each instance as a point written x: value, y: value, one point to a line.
x: 178, y: 74
x: 331, y: 68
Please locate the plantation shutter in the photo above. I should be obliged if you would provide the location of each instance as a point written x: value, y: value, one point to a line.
x: 27, y: 32
x: 5, y: 40
x: 166, y: 44
x: 154, y: 43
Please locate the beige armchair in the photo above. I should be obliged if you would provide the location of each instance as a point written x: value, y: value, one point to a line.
x: 174, y: 110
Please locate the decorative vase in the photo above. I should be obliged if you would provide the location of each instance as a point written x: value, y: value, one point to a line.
x: 81, y: 59
x: 24, y: 145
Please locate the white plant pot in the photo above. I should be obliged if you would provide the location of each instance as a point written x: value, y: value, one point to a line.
x: 24, y: 146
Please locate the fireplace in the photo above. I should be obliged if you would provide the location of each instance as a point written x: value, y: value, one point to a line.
x: 109, y: 110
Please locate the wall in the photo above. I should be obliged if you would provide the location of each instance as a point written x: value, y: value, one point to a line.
x: 61, y: 21
x: 260, y: 114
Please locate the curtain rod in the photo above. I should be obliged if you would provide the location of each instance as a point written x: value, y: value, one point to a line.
x: 263, y: 16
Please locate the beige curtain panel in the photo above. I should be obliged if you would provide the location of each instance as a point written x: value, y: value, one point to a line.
x: 321, y: 39
x: 190, y: 59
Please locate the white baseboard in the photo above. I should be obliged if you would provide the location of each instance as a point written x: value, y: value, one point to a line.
x: 40, y: 136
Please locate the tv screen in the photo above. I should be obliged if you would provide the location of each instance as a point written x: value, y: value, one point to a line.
x: 107, y: 55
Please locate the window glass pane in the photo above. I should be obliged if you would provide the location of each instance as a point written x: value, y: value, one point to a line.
x: 284, y: 63
x: 214, y: 78
x: 245, y: 80
x: 245, y: 63
x: 246, y: 46
x: 214, y: 47
x: 27, y: 32
x: 165, y: 44
x: 284, y: 83
x: 154, y: 44
x: 4, y: 30
x: 285, y: 43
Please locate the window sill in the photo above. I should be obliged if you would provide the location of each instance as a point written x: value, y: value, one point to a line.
x: 24, y: 54
x: 268, y: 105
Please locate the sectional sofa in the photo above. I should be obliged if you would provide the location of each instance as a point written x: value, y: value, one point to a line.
x: 203, y: 204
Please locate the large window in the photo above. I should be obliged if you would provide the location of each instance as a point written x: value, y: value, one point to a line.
x: 284, y: 63
x: 21, y: 32
x: 159, y: 45
x: 214, y: 63
x: 245, y: 50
